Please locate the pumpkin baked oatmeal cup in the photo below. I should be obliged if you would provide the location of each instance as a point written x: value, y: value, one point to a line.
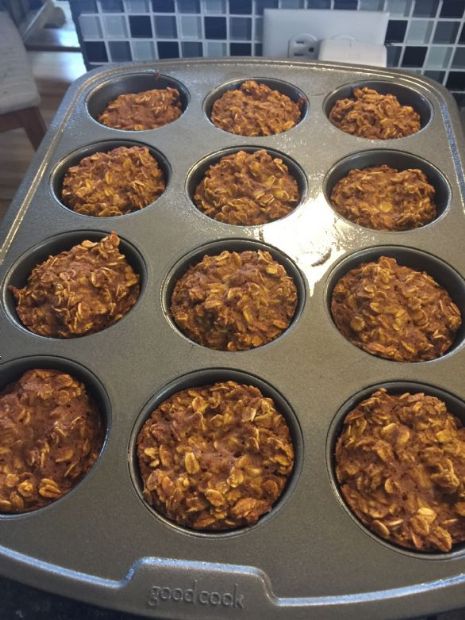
x: 215, y: 457
x: 400, y: 465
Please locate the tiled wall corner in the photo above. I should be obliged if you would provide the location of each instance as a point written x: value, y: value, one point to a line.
x: 423, y: 36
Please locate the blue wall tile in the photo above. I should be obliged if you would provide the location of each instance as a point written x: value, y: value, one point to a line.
x: 215, y: 27
x: 240, y: 7
x: 452, y: 8
x: 188, y: 6
x: 141, y: 27
x: 456, y: 80
x: 395, y: 31
x: 425, y: 8
x: 120, y: 51
x: 414, y: 56
x: 240, y: 49
x: 112, y: 6
x: 168, y: 49
x: 165, y: 27
x: 84, y: 6
x: 446, y: 32
x: 191, y: 49
x: 240, y: 28
x: 95, y: 51
x: 348, y: 5
x: 163, y: 6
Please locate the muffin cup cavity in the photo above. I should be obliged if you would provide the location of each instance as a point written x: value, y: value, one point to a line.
x: 18, y: 274
x: 395, y: 159
x: 443, y: 274
x: 294, y: 93
x: 199, y: 170
x: 73, y: 159
x: 454, y: 405
x: 135, y: 83
x: 11, y: 371
x: 405, y: 94
x: 232, y: 245
x: 204, y: 378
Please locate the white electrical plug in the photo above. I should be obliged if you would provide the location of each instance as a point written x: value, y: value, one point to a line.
x: 351, y: 51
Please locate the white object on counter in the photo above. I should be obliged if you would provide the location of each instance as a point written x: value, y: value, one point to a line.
x: 352, y: 51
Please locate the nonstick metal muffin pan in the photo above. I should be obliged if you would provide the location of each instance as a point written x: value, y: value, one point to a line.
x: 309, y: 557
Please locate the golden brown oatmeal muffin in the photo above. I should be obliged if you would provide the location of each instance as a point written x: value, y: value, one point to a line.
x: 254, y: 109
x: 79, y: 291
x: 114, y: 182
x: 51, y: 434
x: 145, y: 110
x: 383, y: 198
x: 215, y: 457
x: 395, y: 312
x: 234, y: 300
x: 247, y: 189
x: 400, y: 463
x: 373, y: 115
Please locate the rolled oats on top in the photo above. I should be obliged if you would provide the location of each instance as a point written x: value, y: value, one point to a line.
x: 51, y: 434
x: 215, y: 457
x: 254, y: 109
x: 247, y: 189
x: 234, y: 300
x: 400, y: 464
x: 79, y: 291
x: 145, y: 110
x: 395, y: 312
x: 115, y: 182
x: 373, y: 115
x: 383, y: 198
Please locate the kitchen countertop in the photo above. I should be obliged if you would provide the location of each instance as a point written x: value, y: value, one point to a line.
x: 20, y: 602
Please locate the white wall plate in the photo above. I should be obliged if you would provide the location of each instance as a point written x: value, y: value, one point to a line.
x: 283, y: 27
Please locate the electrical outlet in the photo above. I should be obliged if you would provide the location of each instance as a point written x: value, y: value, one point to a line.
x: 303, y: 44
x: 295, y: 32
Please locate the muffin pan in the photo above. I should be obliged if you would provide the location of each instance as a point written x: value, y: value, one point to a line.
x: 309, y: 557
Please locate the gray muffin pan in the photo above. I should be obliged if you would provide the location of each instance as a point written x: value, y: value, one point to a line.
x: 308, y: 558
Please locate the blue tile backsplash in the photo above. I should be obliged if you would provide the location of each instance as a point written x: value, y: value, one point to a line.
x: 424, y: 36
